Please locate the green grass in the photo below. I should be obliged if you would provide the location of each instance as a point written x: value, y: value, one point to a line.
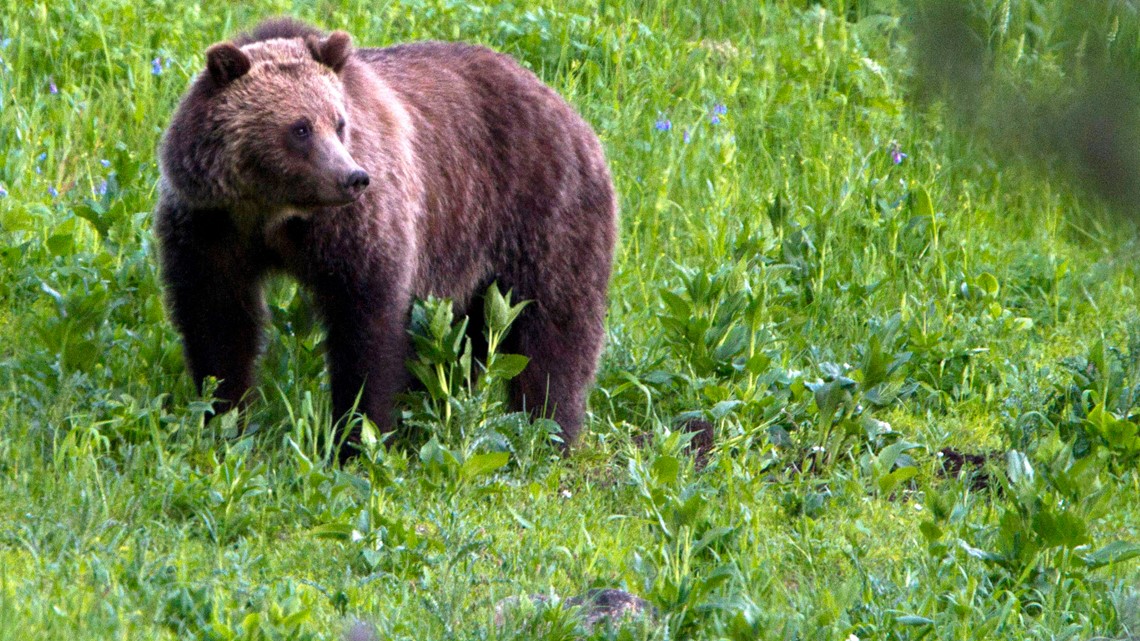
x: 838, y: 317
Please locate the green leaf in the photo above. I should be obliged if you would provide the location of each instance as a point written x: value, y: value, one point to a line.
x: 507, y: 366
x: 1111, y: 554
x: 61, y: 244
x: 930, y: 531
x: 828, y: 397
x: 369, y: 437
x: 427, y: 376
x: 890, y: 453
x: 737, y: 340
x: 435, y: 456
x: 373, y: 558
x: 705, y: 586
x: 978, y: 553
x: 892, y: 480
x: 988, y: 283
x: 481, y: 464
x: 710, y: 537
x: 1020, y: 469
x: 336, y: 531
x: 524, y: 523
x: 1061, y: 529
x: 496, y: 311
x: 304, y: 465
x: 758, y: 363
x: 441, y: 320
x: 453, y: 342
x: 921, y: 204
x: 678, y: 306
x: 95, y: 214
x: 723, y: 408
x: 665, y: 469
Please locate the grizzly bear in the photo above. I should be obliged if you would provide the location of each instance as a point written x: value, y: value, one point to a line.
x: 374, y: 176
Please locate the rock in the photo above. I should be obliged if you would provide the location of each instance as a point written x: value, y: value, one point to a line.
x: 596, y: 606
x: 360, y: 631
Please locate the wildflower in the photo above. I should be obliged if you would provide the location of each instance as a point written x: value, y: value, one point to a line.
x: 663, y: 124
x: 897, y: 156
x: 718, y: 110
x: 101, y: 188
x: 156, y: 66
x: 686, y: 136
x: 53, y: 192
x: 105, y: 162
x: 51, y: 86
x: 5, y: 42
x: 3, y: 191
x: 42, y: 157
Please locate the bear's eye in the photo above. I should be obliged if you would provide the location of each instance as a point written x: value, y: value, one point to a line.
x: 340, y: 127
x: 302, y: 130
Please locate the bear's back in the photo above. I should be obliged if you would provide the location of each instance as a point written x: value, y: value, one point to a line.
x: 504, y: 159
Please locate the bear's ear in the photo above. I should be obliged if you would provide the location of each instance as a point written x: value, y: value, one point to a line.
x: 226, y: 63
x: 332, y: 51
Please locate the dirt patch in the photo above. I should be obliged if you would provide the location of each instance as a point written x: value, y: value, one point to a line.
x: 956, y: 463
x: 702, y: 444
x: 700, y: 447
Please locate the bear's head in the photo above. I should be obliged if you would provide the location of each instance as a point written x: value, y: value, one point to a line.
x: 267, y: 124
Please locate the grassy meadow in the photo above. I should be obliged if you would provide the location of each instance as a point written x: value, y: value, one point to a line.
x: 919, y: 354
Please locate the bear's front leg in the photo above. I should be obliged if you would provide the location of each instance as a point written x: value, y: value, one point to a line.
x: 367, y: 348
x: 221, y: 326
x: 214, y: 297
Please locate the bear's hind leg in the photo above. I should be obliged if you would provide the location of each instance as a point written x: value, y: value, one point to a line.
x: 563, y: 355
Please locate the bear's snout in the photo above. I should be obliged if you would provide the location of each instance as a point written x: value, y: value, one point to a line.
x: 355, y: 182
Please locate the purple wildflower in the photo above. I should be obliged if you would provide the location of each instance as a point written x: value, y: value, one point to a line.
x: 156, y: 66
x: 101, y: 188
x: 51, y: 86
x: 105, y: 162
x: 3, y: 191
x: 53, y: 192
x: 663, y: 124
x: 718, y: 110
x: 5, y: 42
x: 897, y: 156
x: 42, y: 157
x: 686, y: 136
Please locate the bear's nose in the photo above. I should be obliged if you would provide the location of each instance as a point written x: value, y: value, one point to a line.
x: 355, y: 181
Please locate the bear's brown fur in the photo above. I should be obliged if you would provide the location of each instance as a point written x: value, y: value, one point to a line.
x: 374, y: 176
